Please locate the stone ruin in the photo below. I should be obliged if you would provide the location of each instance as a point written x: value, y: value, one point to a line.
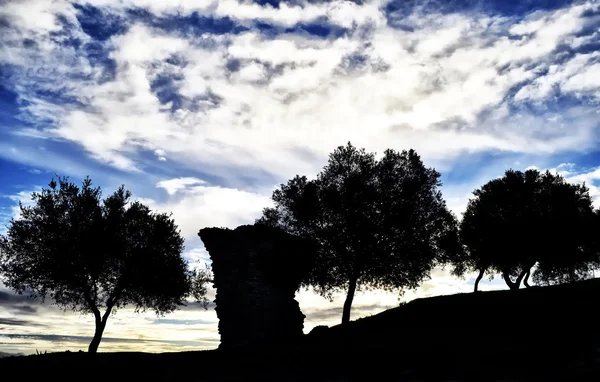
x: 256, y: 272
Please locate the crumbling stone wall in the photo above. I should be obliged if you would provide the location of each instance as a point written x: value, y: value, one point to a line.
x: 257, y: 270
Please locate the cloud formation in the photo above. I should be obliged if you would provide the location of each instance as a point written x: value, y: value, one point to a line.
x: 243, y: 100
x: 196, y: 205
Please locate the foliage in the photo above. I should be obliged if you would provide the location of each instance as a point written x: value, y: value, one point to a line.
x: 571, y: 251
x: 378, y: 223
x: 88, y: 254
x: 198, y: 280
x: 524, y: 218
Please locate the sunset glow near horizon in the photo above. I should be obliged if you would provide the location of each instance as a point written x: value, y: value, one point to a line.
x: 202, y: 108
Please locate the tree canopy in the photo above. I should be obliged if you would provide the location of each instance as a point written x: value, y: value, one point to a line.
x: 377, y: 223
x: 89, y: 254
x: 525, y: 218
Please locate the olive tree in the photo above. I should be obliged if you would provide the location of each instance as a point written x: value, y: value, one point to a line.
x: 377, y: 223
x: 526, y: 218
x: 95, y: 256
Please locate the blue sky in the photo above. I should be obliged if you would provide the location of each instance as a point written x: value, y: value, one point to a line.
x: 202, y: 107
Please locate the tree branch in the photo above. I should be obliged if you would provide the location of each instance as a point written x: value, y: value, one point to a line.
x: 91, y: 301
x: 114, y: 296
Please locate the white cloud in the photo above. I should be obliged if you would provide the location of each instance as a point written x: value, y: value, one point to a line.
x: 587, y: 177
x: 576, y: 75
x: 133, y: 47
x: 250, y: 73
x: 160, y: 155
x: 196, y: 205
x: 174, y: 185
x: 435, y: 83
x: 340, y: 12
x: 41, y: 16
x: 196, y: 255
x: 586, y: 80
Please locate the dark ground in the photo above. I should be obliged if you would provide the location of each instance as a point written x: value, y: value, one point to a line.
x: 539, y: 334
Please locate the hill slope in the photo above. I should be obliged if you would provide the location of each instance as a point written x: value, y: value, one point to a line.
x: 534, y: 334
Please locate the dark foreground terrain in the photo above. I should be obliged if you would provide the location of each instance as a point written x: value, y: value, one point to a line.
x: 540, y: 334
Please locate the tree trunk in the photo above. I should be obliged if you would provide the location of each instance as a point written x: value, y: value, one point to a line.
x: 100, y: 326
x: 348, y: 302
x: 524, y: 276
x: 93, y: 348
x: 481, y: 272
x: 520, y: 278
x: 526, y: 279
x: 511, y: 285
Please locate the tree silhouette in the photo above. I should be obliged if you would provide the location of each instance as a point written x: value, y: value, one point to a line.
x: 378, y: 224
x: 87, y: 254
x: 568, y: 221
x: 525, y: 218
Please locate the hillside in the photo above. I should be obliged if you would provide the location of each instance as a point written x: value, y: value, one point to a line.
x: 534, y: 334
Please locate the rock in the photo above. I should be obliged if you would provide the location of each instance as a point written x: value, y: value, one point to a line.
x: 257, y: 270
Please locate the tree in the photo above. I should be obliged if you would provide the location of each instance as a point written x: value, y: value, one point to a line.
x: 378, y: 224
x: 89, y: 255
x: 525, y: 218
x: 571, y: 252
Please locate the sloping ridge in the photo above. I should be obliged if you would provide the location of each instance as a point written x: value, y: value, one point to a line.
x: 534, y: 331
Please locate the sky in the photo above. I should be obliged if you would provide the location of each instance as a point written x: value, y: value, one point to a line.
x: 203, y: 107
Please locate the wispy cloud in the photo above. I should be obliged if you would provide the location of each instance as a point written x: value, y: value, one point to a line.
x: 446, y: 84
x: 174, y: 185
x: 17, y: 322
x: 196, y: 205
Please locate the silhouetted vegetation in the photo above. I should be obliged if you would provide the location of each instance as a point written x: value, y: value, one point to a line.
x: 89, y: 254
x: 525, y: 218
x: 378, y: 223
